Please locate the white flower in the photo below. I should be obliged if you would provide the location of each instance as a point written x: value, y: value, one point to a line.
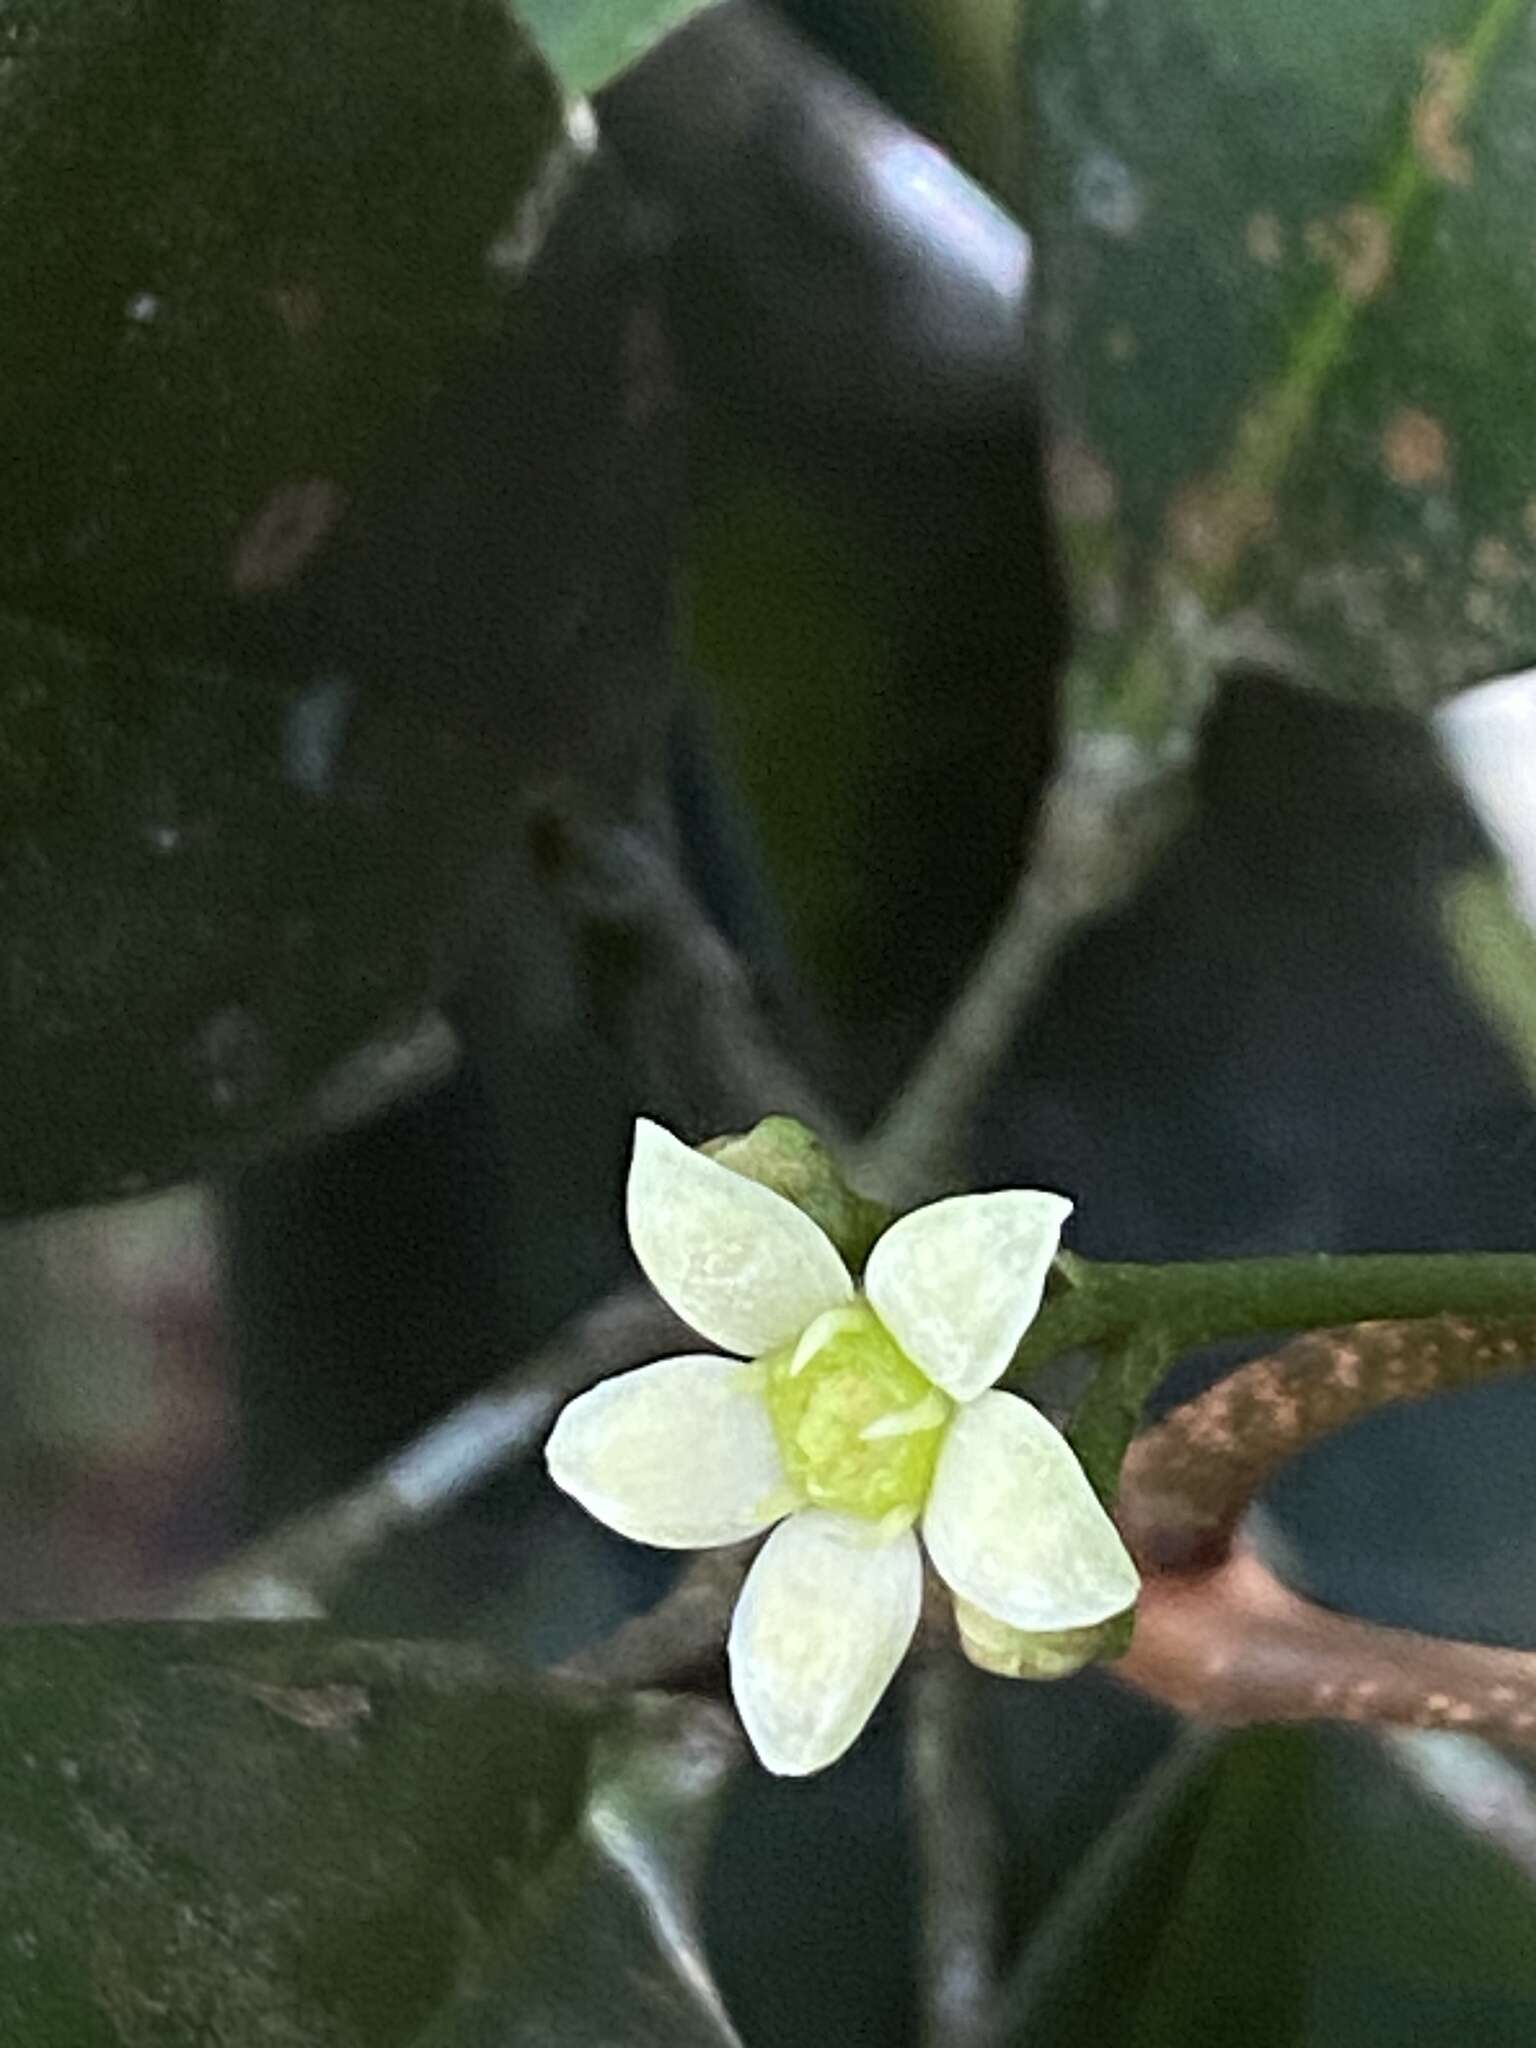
x: 861, y: 1413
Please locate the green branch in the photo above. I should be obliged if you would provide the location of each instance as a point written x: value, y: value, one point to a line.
x: 1142, y: 1318
x: 1165, y: 1310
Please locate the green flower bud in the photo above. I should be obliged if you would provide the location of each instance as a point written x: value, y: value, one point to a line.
x: 991, y: 1645
x: 782, y: 1154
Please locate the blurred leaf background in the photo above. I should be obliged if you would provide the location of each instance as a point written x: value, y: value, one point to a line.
x: 1283, y: 321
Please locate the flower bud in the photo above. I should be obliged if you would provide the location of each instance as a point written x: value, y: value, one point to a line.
x: 994, y: 1646
x: 782, y: 1154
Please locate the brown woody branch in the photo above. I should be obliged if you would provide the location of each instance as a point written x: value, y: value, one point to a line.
x: 1233, y: 1645
x: 1217, y: 1635
x: 1187, y: 1483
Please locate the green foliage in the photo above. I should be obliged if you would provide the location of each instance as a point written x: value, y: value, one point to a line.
x: 589, y: 42
x: 1284, y: 1889
x: 1286, y: 276
x: 242, y: 248
x: 1494, y: 952
x: 193, y: 936
x: 273, y: 1835
x: 239, y: 246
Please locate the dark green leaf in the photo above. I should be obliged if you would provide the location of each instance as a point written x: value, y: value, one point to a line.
x: 217, y: 885
x: 241, y: 1835
x: 325, y: 508
x: 1092, y: 1955
x: 238, y: 245
x: 1287, y: 287
x: 589, y: 42
x: 605, y: 1948
x: 1278, y: 1889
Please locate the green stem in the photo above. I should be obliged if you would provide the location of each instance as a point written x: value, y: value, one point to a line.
x: 1109, y: 1414
x: 1171, y: 1309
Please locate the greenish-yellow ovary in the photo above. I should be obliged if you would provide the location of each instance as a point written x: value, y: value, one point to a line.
x: 858, y: 1424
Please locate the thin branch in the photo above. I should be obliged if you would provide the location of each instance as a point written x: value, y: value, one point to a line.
x: 664, y: 986
x: 1467, y: 1778
x: 1107, y: 816
x: 1094, y: 1304
x: 291, y: 1573
x: 959, y: 1851
x: 420, y: 1055
x: 1217, y: 1634
x: 681, y: 1640
x: 1234, y: 1646
x: 1186, y: 1484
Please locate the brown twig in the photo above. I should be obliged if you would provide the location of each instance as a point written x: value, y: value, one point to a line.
x: 1186, y: 1484
x: 1217, y: 1634
x: 959, y: 1854
x: 291, y: 1573
x: 1233, y: 1645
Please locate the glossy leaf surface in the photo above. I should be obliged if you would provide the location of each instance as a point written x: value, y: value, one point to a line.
x: 1280, y: 1887
x: 297, y: 437
x: 215, y: 887
x: 272, y: 1836
x: 1286, y: 290
x: 589, y: 42
x: 238, y: 245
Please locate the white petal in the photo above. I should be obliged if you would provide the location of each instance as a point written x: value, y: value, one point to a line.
x: 680, y: 1454
x: 739, y: 1264
x: 958, y: 1283
x: 827, y: 1614
x: 1013, y: 1526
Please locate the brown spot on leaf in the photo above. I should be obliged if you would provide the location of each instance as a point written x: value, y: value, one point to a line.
x: 1414, y: 449
x: 1212, y: 522
x: 1265, y: 240
x: 299, y: 306
x: 325, y: 1707
x: 1120, y: 344
x: 284, y: 534
x: 1356, y: 245
x: 1493, y: 560
x: 1083, y: 487
x: 1436, y: 114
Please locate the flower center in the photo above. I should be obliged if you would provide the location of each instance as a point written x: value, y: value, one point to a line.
x: 858, y: 1425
